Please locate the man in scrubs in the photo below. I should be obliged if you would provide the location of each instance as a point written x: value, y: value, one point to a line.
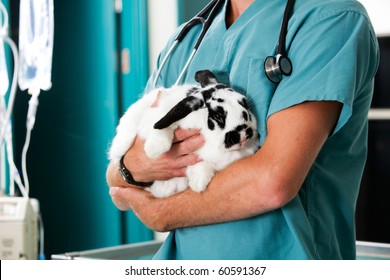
x: 295, y: 198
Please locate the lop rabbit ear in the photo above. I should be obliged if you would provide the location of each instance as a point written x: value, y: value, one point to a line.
x: 205, y: 78
x: 180, y: 111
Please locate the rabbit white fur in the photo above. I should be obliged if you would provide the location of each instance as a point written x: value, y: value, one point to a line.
x: 222, y: 115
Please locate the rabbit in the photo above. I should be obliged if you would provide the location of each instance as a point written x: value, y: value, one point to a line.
x: 222, y: 115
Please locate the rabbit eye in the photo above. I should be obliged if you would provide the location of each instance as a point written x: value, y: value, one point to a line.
x: 219, y: 100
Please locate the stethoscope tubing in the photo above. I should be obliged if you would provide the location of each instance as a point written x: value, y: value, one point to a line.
x: 186, y: 67
x: 211, y: 9
x: 283, y: 29
x: 160, y: 68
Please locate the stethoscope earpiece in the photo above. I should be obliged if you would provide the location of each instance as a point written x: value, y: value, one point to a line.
x: 276, y: 67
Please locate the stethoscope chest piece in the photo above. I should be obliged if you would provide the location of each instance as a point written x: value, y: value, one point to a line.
x: 280, y: 65
x: 276, y: 67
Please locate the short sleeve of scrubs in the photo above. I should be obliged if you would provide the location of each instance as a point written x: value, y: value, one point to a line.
x: 328, y: 69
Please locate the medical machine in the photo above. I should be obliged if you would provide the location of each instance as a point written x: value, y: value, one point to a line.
x: 18, y: 228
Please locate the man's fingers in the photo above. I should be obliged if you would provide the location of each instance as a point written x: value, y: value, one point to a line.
x: 127, y: 198
x: 188, y: 146
x: 118, y: 198
x: 182, y: 162
x: 182, y: 134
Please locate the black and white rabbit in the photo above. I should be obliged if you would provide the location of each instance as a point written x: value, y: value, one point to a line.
x: 222, y: 114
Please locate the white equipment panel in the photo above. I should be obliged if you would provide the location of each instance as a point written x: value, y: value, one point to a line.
x: 18, y: 228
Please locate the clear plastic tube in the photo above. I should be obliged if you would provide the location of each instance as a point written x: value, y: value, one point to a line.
x: 7, y: 116
x: 4, y: 84
x: 3, y: 19
x: 4, y: 80
x: 2, y: 150
x: 36, y: 35
x: 6, y: 108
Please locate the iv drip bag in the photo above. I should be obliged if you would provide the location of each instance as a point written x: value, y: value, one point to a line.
x: 36, y: 32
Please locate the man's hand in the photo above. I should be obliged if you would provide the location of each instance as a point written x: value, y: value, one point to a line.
x: 171, y: 164
x: 142, y: 203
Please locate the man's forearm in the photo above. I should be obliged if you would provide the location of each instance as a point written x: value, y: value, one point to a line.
x: 233, y: 194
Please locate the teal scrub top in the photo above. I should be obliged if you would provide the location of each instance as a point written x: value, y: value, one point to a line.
x: 334, y: 52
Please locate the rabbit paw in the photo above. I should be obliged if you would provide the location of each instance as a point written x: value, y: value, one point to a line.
x: 169, y: 187
x: 157, y: 144
x: 199, y: 176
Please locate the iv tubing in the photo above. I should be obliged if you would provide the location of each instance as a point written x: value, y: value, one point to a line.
x: 2, y: 151
x: 7, y: 117
x: 24, y: 157
x: 5, y: 20
x: 31, y: 115
x: 10, y: 158
x: 13, y: 86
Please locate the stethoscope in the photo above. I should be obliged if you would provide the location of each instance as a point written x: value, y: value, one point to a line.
x: 275, y: 66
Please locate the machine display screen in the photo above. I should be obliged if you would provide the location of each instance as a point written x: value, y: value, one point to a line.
x: 8, y: 209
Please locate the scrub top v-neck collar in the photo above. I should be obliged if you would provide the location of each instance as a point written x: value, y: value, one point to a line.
x: 219, y: 23
x: 219, y: 38
x: 242, y: 18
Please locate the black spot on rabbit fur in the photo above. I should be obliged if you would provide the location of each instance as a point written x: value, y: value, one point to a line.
x: 243, y: 103
x: 207, y: 94
x: 217, y: 115
x: 232, y: 138
x: 192, y: 91
x: 245, y: 115
x: 249, y: 133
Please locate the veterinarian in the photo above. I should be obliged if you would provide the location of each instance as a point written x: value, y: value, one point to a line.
x: 295, y: 198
